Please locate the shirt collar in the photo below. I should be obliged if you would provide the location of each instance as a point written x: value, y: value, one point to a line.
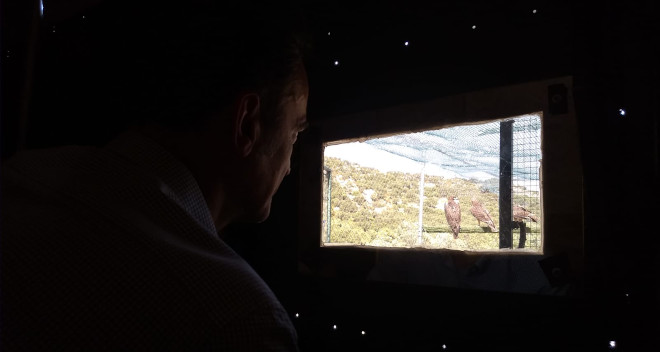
x: 176, y: 180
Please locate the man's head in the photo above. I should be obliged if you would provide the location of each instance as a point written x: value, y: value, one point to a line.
x: 180, y: 62
x: 263, y: 145
x: 224, y: 88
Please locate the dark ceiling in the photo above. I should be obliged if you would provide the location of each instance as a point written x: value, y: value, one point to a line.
x: 513, y: 41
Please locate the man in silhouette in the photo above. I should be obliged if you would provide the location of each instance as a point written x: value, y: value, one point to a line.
x: 116, y: 247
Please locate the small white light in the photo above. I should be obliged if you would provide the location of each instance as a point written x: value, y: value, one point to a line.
x: 334, y: 327
x: 474, y: 27
x: 84, y: 17
x: 627, y: 294
x: 41, y: 8
x: 534, y: 11
x: 363, y: 332
x: 612, y: 344
x: 328, y: 33
x: 406, y: 43
x: 444, y: 347
x: 297, y: 315
x: 336, y: 63
x: 622, y: 112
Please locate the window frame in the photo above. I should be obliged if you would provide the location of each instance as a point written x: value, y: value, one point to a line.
x: 560, y: 176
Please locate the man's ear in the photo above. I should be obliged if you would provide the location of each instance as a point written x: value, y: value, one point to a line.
x: 247, y: 126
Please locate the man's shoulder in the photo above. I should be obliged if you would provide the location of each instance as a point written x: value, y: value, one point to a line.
x: 81, y: 215
x: 43, y: 158
x: 54, y: 168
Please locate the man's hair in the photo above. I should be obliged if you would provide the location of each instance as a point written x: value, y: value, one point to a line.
x: 177, y: 65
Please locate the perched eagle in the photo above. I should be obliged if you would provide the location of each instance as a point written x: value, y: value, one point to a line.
x: 453, y: 214
x: 482, y: 215
x: 522, y: 214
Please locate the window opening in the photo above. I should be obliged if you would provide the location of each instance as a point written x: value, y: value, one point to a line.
x: 399, y: 191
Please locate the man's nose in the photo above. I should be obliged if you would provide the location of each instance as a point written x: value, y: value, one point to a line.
x: 288, y: 171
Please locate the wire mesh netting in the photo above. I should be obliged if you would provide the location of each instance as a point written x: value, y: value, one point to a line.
x: 433, y: 189
x: 526, y: 192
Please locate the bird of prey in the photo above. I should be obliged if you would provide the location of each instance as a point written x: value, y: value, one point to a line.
x: 453, y: 214
x: 482, y: 215
x: 522, y: 214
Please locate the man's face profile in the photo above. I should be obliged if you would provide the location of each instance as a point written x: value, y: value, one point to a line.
x: 239, y: 158
x: 274, y: 156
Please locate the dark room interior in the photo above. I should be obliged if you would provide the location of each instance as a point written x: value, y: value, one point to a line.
x: 369, y: 57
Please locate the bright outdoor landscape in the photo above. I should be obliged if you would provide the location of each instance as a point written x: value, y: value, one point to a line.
x: 375, y: 187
